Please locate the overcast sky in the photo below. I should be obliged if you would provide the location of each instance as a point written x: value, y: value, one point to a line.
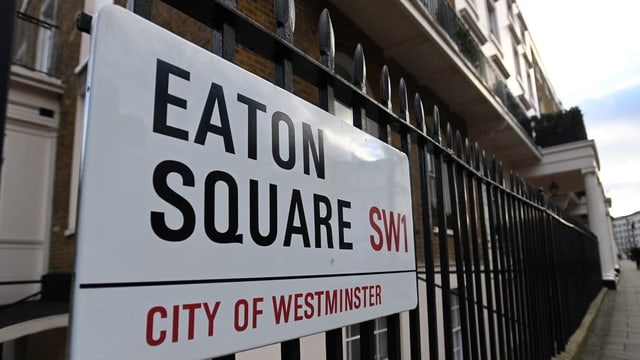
x: 591, y: 52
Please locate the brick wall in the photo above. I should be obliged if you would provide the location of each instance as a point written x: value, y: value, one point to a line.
x: 62, y: 250
x: 347, y: 36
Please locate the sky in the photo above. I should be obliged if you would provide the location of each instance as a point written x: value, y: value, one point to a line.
x: 591, y: 52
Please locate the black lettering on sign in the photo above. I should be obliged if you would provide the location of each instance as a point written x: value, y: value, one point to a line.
x: 254, y: 214
x: 216, y: 95
x: 296, y: 207
x: 162, y: 99
x: 252, y: 132
x: 308, y: 144
x: 278, y: 118
x: 231, y: 234
x: 160, y: 185
x: 343, y: 224
x: 322, y: 221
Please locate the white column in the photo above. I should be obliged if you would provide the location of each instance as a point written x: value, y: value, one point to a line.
x: 598, y: 222
x: 614, y: 245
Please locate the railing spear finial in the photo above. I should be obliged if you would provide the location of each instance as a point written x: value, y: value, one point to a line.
x: 403, y: 101
x: 477, y: 160
x: 285, y: 14
x: 436, y: 125
x: 449, y: 137
x: 419, y: 110
x: 385, y: 87
x: 459, y: 149
x: 494, y: 169
x: 326, y: 40
x: 359, y: 69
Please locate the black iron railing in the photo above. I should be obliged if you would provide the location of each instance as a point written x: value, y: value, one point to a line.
x: 34, y: 44
x: 446, y: 17
x: 525, y: 273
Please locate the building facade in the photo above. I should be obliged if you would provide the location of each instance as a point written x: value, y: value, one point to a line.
x: 473, y: 59
x: 625, y: 230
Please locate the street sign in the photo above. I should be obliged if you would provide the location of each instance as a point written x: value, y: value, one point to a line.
x: 220, y: 213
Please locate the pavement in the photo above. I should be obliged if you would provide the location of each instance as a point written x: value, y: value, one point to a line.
x: 615, y: 332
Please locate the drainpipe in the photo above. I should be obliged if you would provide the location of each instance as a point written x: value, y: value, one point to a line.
x: 7, y: 20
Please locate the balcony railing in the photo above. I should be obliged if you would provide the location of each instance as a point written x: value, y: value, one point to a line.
x: 446, y: 17
x: 33, y: 44
x: 559, y: 127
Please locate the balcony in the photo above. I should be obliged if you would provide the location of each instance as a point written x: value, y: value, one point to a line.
x: 559, y: 128
x: 33, y: 44
x: 430, y: 40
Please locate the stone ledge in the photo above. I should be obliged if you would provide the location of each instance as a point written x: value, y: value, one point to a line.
x: 573, y: 350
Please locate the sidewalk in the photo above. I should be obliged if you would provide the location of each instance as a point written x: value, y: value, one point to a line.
x: 616, y: 331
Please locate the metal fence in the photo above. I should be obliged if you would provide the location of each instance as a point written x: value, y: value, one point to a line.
x: 517, y: 273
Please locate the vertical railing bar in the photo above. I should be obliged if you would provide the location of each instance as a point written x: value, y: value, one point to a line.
x: 224, y: 35
x: 224, y: 43
x: 512, y: 239
x: 522, y: 236
x: 226, y: 357
x: 453, y: 200
x: 496, y: 223
x: 526, y: 297
x: 326, y: 44
x: 473, y: 194
x: 284, y: 11
x: 555, y: 300
x: 359, y: 80
x: 367, y: 339
x: 393, y: 320
x: 539, y: 315
x: 427, y: 235
x: 541, y: 224
x: 143, y: 8
x: 385, y: 99
x: 545, y: 239
x: 507, y: 290
x: 554, y: 238
x: 393, y: 337
x: 462, y: 175
x: 487, y: 231
x: 443, y: 241
x: 405, y: 147
x: 508, y: 278
x: 546, y: 268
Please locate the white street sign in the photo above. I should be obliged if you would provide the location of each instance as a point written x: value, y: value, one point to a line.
x: 220, y: 213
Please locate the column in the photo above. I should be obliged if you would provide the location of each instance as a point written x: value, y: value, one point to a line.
x: 598, y: 223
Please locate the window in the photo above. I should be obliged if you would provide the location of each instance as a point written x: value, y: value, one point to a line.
x: 493, y: 20
x: 516, y: 61
x: 44, y: 55
x: 456, y: 328
x: 380, y: 335
x: 529, y: 84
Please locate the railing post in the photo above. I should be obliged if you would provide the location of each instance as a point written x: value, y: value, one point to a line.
x: 359, y: 80
x: 456, y: 192
x: 427, y: 233
x: 326, y: 44
x: 141, y: 7
x: 224, y: 36
x: 284, y: 11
